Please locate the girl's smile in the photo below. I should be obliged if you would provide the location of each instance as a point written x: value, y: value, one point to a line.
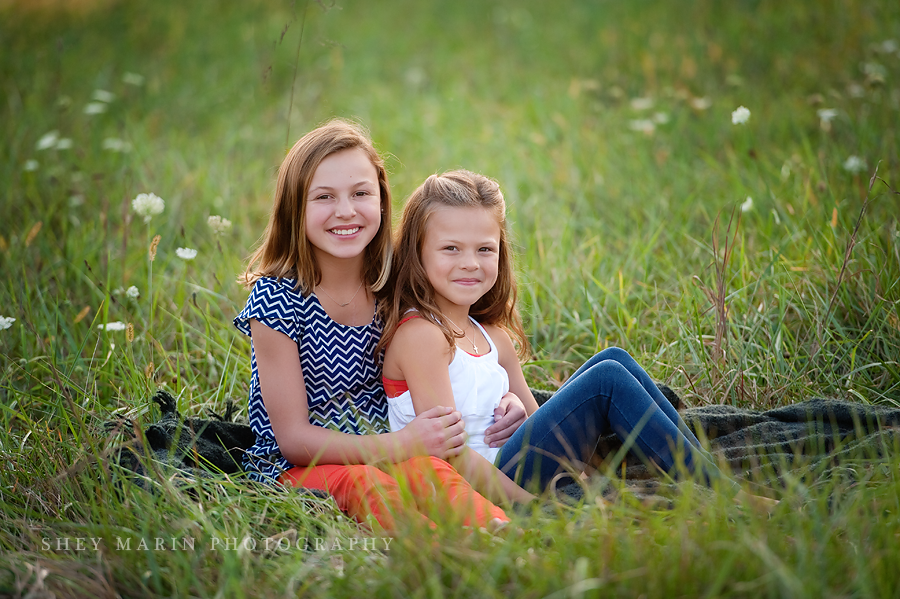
x: 344, y: 232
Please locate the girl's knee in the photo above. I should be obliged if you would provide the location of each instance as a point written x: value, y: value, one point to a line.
x: 427, y: 463
x: 616, y: 354
x: 369, y: 477
x: 609, y: 368
x: 440, y: 465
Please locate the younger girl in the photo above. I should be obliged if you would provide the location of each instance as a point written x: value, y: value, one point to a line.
x: 316, y: 403
x: 447, y: 334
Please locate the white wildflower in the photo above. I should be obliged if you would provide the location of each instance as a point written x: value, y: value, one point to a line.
x: 113, y: 326
x: 186, y: 253
x: 888, y: 47
x: 747, y: 205
x: 114, y: 144
x: 133, y: 292
x: 415, y: 76
x: 31, y: 165
x: 76, y: 200
x: 148, y: 205
x: 740, y: 115
x: 47, y: 140
x: 95, y: 108
x: 826, y: 115
x: 661, y: 118
x: 642, y: 103
x: 101, y: 95
x: 64, y: 144
x: 700, y: 103
x: 856, y: 90
x: 133, y: 79
x: 218, y: 224
x: 6, y: 322
x: 643, y: 125
x: 854, y: 164
x: 874, y: 69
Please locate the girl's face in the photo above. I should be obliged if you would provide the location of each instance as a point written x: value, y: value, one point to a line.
x: 460, y: 254
x: 343, y: 205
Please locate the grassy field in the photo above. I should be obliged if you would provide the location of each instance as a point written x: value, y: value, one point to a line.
x: 753, y: 264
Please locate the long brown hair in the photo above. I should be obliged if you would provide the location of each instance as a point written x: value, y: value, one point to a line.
x: 285, y: 250
x: 411, y: 289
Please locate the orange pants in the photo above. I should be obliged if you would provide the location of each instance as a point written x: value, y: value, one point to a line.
x: 362, y: 491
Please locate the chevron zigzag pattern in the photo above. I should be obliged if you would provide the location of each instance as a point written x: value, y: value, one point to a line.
x: 343, y: 380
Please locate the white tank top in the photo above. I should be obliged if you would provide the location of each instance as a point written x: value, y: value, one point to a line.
x: 478, y: 382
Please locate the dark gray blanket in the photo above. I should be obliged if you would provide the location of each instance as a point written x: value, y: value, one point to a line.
x: 807, y: 441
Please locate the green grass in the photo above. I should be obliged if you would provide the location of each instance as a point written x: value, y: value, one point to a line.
x: 625, y: 238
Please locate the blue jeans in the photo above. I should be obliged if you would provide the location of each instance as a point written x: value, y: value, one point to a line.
x: 609, y: 393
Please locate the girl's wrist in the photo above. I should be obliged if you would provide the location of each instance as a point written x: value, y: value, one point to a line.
x: 397, y: 447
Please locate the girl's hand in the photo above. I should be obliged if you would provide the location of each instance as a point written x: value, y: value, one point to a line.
x: 508, y: 417
x: 438, y: 432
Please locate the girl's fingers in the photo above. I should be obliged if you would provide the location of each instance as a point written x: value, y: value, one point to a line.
x: 456, y: 444
x: 451, y: 419
x: 457, y: 429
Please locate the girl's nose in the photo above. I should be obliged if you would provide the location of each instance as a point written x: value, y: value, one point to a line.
x: 469, y: 262
x: 344, y: 208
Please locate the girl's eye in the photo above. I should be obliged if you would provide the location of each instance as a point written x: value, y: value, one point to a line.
x: 450, y: 248
x: 486, y: 249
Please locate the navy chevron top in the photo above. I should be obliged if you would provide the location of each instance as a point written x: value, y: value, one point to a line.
x: 343, y: 380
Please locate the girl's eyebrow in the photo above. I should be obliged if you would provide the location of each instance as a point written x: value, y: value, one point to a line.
x: 360, y: 183
x: 459, y: 242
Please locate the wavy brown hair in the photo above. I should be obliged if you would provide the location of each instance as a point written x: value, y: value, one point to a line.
x: 285, y: 250
x: 410, y: 288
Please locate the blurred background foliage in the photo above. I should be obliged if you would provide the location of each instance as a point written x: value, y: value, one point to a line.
x: 607, y: 124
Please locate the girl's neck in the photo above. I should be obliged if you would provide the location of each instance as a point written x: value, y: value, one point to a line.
x: 456, y: 317
x: 340, y: 274
x: 342, y: 292
x: 456, y: 313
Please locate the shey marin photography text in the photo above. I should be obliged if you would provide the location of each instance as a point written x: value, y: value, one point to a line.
x: 270, y: 544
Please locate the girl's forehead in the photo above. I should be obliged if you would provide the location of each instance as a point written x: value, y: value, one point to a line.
x: 464, y: 220
x: 345, y: 166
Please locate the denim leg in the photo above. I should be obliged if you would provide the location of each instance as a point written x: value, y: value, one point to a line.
x: 602, y: 396
x: 624, y: 358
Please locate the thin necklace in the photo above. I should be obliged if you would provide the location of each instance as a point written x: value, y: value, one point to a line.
x: 339, y: 303
x: 474, y: 347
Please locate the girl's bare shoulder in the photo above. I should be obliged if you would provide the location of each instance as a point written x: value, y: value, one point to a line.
x: 505, y: 347
x: 416, y: 342
x: 415, y: 330
x: 499, y: 335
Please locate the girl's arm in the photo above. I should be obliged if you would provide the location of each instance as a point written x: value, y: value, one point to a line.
x: 439, y: 432
x: 509, y: 360
x: 419, y: 351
